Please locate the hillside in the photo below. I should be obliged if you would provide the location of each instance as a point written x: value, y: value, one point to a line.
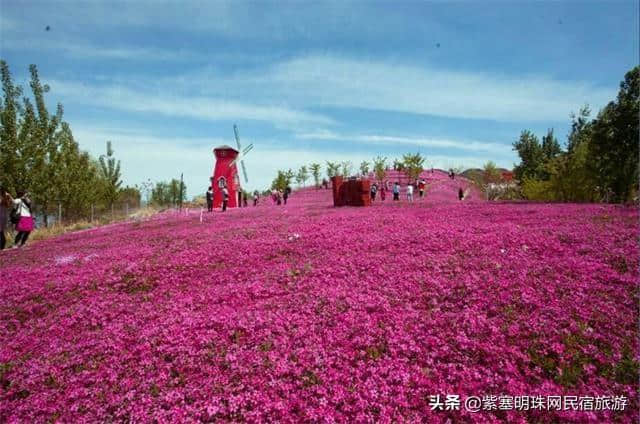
x: 307, y: 312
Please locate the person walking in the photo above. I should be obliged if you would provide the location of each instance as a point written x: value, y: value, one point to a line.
x: 244, y: 199
x: 209, y: 199
x: 24, y: 226
x: 255, y: 198
x: 410, y: 192
x: 460, y: 194
x: 225, y: 198
x: 383, y: 193
x: 421, y: 186
x: 239, y: 197
x: 6, y: 201
x: 374, y: 190
x: 285, y: 195
x: 396, y: 191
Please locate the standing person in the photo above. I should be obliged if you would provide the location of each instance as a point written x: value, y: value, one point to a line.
x: 421, y: 185
x: 225, y: 198
x: 410, y: 192
x: 24, y: 225
x: 239, y: 197
x: 6, y: 201
x: 460, y: 194
x: 383, y: 193
x: 255, y: 198
x: 244, y: 199
x: 374, y: 190
x: 396, y: 191
x: 278, y: 197
x: 209, y: 199
x: 285, y: 195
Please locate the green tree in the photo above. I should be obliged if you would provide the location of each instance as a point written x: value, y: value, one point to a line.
x: 302, y: 175
x: 345, y: 168
x: 110, y: 173
x: 380, y: 167
x: 364, y: 167
x: 550, y: 146
x: 9, y: 146
x: 333, y: 169
x: 413, y: 165
x: 531, y: 156
x: 580, y: 128
x: 280, y: 181
x: 613, y: 151
x: 315, y: 171
x: 76, y: 177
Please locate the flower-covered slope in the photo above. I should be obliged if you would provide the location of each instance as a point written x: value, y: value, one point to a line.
x: 312, y: 313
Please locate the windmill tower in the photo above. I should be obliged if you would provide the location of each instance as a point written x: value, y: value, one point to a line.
x: 225, y: 173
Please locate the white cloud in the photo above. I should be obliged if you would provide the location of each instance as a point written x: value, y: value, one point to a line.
x: 378, y: 85
x: 205, y: 108
x: 328, y: 81
x: 75, y: 49
x: 495, y: 148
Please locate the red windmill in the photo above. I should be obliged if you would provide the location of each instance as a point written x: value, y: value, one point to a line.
x: 225, y: 172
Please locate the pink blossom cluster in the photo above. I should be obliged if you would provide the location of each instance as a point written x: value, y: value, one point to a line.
x: 306, y: 312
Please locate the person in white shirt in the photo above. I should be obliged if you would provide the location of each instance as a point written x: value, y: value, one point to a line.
x: 410, y: 192
x: 24, y: 226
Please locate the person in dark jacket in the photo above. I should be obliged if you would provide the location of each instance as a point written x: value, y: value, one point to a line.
x: 285, y: 195
x: 209, y: 199
x: 460, y: 194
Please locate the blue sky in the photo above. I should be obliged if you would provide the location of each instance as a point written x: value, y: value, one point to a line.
x: 315, y: 81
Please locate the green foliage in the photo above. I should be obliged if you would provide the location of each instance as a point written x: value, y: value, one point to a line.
x: 131, y: 196
x: 345, y: 168
x: 168, y: 193
x: 531, y: 156
x: 398, y: 165
x: 534, y: 189
x: 280, y: 181
x: 380, y: 167
x: 315, y: 172
x: 601, y: 161
x: 413, y: 165
x: 613, y: 151
x: 333, y: 169
x: 302, y: 175
x: 110, y: 173
x: 364, y: 167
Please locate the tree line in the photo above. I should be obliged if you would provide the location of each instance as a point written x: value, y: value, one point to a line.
x: 411, y: 164
x: 599, y: 161
x: 39, y: 155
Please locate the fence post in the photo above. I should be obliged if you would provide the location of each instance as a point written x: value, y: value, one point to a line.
x: 127, y: 210
x: 91, y: 213
x: 59, y: 213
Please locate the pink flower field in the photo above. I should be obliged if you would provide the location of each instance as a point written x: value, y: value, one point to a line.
x: 309, y: 313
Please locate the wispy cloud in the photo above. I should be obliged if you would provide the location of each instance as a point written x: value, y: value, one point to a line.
x: 204, y: 108
x: 82, y: 50
x: 329, y: 81
x: 372, y: 139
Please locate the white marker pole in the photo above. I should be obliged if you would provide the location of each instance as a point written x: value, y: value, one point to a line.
x: 201, y: 209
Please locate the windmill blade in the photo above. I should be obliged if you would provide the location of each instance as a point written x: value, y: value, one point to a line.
x: 247, y: 149
x: 235, y: 131
x: 244, y: 171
